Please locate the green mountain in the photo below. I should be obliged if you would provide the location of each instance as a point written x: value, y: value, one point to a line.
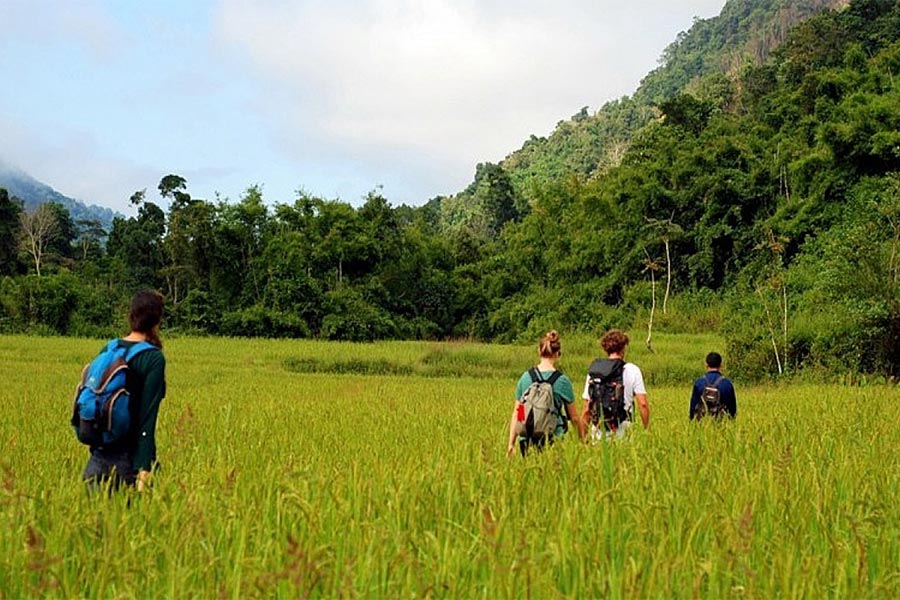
x: 702, y: 61
x: 33, y: 193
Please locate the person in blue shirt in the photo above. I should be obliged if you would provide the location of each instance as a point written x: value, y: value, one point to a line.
x: 713, y: 393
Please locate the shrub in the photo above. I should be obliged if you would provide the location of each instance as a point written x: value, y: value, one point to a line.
x: 259, y: 321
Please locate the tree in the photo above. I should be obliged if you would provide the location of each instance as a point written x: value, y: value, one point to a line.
x: 174, y: 186
x: 10, y: 229
x: 137, y: 243
x: 60, y: 244
x: 90, y: 234
x: 38, y: 229
x: 667, y: 231
x: 494, y: 189
x: 687, y: 112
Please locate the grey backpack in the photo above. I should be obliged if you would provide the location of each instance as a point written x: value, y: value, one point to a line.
x: 541, y: 412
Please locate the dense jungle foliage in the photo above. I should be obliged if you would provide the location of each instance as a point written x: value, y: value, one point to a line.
x: 754, y: 180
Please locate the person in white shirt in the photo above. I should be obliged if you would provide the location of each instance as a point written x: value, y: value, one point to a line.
x: 612, y: 388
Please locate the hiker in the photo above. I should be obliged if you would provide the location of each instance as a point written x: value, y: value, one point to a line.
x: 131, y: 459
x: 611, y: 389
x: 544, y: 402
x: 713, y: 394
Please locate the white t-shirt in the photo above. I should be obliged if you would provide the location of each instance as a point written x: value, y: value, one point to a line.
x: 632, y: 379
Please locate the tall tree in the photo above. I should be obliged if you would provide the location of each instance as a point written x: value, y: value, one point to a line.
x: 90, y: 235
x: 61, y: 243
x: 138, y: 243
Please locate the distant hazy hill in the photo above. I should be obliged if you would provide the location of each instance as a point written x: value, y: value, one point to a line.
x: 34, y: 193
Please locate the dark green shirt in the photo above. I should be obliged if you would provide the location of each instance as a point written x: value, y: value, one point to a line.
x: 147, y: 386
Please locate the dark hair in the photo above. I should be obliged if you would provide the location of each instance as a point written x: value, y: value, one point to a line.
x: 146, y: 313
x: 550, y: 345
x: 713, y: 360
x: 614, y: 341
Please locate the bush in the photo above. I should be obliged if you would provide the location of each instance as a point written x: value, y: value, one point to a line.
x: 259, y: 321
x: 350, y: 317
x: 49, y: 301
x: 197, y: 312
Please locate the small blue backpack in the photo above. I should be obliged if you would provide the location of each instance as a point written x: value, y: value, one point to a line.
x: 101, y: 415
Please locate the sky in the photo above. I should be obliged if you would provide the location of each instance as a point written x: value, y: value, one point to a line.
x: 337, y: 98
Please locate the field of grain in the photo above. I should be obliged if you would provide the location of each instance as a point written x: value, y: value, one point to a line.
x: 296, y: 469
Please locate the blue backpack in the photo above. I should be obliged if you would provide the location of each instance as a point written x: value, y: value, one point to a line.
x: 101, y: 415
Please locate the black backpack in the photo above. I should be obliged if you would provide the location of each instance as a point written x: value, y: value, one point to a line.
x: 711, y: 400
x: 607, y: 393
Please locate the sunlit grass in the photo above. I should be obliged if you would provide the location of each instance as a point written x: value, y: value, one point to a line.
x: 394, y: 483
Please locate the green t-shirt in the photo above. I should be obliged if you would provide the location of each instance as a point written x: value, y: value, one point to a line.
x: 563, y: 393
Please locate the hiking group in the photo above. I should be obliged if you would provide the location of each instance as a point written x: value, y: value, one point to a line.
x: 545, y: 398
x: 117, y: 402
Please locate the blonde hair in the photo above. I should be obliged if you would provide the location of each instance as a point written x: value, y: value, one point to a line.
x: 550, y: 345
x: 614, y: 341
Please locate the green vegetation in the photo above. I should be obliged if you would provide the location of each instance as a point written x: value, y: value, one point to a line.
x: 753, y: 194
x: 277, y: 483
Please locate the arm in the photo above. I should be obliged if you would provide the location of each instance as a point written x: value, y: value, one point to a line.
x: 586, y: 405
x: 640, y: 394
x: 586, y: 413
x: 644, y: 408
x: 576, y: 419
x: 565, y: 393
x: 695, y: 399
x: 152, y: 393
x: 511, y: 446
x: 730, y: 400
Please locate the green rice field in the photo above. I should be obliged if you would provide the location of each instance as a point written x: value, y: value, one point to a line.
x: 296, y: 469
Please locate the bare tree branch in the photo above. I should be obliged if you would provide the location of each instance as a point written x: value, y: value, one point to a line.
x: 38, y: 228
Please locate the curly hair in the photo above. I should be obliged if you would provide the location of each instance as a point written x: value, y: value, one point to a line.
x: 614, y: 341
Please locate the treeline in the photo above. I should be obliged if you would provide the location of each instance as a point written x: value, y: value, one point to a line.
x: 767, y: 202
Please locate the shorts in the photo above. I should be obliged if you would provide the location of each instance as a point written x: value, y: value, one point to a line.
x: 601, y: 433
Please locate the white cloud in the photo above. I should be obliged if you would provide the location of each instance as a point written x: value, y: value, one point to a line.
x: 85, y: 22
x: 459, y: 81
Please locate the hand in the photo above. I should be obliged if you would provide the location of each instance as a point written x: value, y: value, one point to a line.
x: 143, y: 480
x: 510, y: 450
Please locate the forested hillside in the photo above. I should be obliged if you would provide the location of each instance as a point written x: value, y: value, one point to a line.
x: 762, y: 202
x: 704, y: 61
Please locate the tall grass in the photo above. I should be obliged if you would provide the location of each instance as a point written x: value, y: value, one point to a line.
x: 280, y: 481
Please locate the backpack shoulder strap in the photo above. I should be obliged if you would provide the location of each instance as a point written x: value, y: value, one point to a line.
x: 535, y: 375
x: 553, y: 377
x: 715, y: 383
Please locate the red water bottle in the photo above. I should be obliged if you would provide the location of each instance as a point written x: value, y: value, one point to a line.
x: 520, y: 412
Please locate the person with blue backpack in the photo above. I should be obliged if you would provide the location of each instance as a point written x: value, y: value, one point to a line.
x: 117, y: 402
x: 544, y: 402
x: 713, y: 394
